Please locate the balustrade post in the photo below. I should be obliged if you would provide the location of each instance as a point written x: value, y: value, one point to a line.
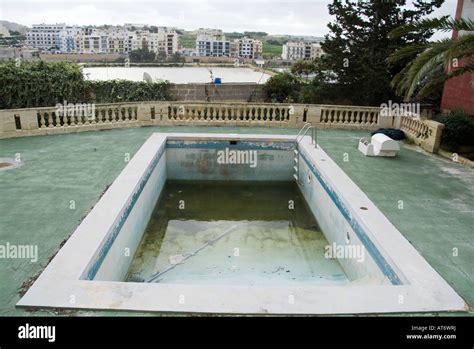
x: 314, y: 115
x: 7, y: 122
x: 433, y: 142
x: 144, y: 113
x: 29, y: 119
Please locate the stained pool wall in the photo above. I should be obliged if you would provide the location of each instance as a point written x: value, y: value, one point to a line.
x: 197, y: 160
x: 336, y: 228
x: 117, y: 261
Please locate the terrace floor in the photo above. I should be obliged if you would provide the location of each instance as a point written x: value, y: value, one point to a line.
x: 428, y: 198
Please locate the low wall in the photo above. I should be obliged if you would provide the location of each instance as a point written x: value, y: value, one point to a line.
x: 80, y: 57
x: 211, y: 93
x: 42, y: 121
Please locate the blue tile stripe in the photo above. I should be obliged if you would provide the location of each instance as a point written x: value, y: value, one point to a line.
x: 381, y: 262
x: 114, y: 232
x: 241, y: 145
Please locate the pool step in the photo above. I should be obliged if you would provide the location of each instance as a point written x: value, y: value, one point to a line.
x: 295, y: 160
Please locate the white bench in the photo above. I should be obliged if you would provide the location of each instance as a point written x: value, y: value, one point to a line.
x: 379, y: 145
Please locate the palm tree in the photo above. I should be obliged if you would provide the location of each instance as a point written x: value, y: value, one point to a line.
x: 432, y: 63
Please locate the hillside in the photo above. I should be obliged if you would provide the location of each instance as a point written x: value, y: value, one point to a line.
x: 22, y: 29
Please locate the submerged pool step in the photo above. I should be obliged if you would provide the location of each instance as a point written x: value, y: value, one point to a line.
x: 296, y: 162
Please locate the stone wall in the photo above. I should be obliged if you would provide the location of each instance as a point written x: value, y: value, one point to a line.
x: 81, y: 57
x: 46, y: 120
x: 242, y: 92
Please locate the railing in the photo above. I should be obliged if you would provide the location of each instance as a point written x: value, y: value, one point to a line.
x: 304, y: 130
x: 416, y: 127
x: 229, y: 112
x: 349, y: 115
x: 101, y: 115
x: 40, y: 121
x: 425, y: 133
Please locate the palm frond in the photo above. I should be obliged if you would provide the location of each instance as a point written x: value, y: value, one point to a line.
x: 406, y: 52
x: 422, y: 65
x: 444, y: 24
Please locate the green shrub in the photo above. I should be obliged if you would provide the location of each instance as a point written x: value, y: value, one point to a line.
x: 44, y: 84
x: 458, y: 129
x: 39, y: 84
x: 282, y: 87
x: 285, y: 87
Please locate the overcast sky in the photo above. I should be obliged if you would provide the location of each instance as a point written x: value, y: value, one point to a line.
x: 296, y: 17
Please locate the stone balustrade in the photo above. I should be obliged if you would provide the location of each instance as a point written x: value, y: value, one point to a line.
x: 42, y: 121
x: 351, y: 116
x: 425, y: 133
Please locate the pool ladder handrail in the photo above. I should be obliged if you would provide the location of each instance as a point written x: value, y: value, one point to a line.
x: 306, y: 127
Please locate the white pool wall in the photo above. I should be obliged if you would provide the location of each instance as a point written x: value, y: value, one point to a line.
x: 333, y: 224
x: 196, y: 160
x: 115, y: 261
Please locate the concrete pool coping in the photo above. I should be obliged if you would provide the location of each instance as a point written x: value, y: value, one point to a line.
x: 60, y: 285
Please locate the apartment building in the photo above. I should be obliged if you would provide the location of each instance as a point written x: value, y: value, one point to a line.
x: 246, y: 48
x: 67, y: 38
x: 296, y: 50
x: 208, y: 45
x: 166, y: 42
x: 77, y: 39
x: 46, y: 36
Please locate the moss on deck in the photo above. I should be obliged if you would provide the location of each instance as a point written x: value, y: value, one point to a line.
x: 428, y: 198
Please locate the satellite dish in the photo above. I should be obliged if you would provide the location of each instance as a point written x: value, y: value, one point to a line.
x: 147, y: 77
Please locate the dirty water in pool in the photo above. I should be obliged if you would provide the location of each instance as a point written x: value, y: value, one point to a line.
x: 234, y: 234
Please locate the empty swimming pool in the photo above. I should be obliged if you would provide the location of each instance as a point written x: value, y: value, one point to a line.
x: 234, y: 233
x: 229, y: 223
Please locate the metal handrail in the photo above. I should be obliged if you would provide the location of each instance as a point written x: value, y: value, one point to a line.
x: 306, y: 129
x: 301, y: 130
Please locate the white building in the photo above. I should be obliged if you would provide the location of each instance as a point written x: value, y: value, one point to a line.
x: 45, y: 36
x: 166, y: 42
x: 67, y: 38
x: 296, y: 50
x: 77, y: 39
x: 212, y: 45
x: 246, y: 48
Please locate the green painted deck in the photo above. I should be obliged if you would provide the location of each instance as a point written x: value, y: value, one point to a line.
x: 428, y: 198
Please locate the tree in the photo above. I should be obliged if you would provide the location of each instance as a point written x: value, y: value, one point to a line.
x: 304, y: 67
x: 142, y: 55
x: 177, y: 58
x: 432, y: 63
x: 282, y: 87
x: 161, y: 56
x: 357, y: 48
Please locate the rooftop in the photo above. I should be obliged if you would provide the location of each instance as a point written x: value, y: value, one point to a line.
x: 428, y: 198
